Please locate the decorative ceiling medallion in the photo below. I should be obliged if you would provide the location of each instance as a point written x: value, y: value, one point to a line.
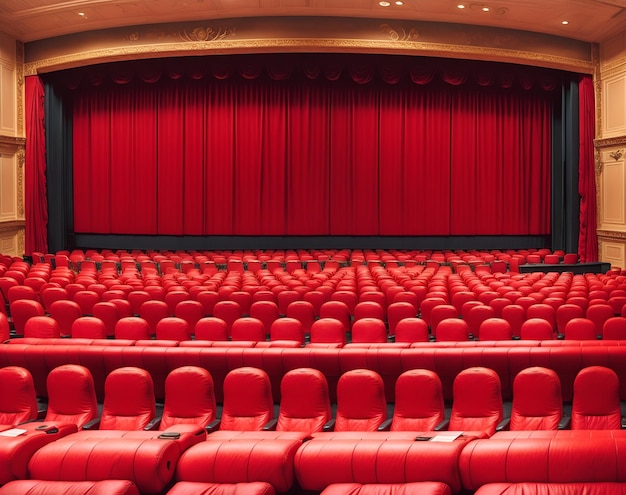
x: 399, y: 34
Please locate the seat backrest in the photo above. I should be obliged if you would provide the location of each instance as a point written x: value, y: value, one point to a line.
x: 71, y: 395
x: 537, y: 400
x: 361, y: 404
x: 211, y: 328
x: 129, y: 402
x: 132, y: 328
x: 412, y: 330
x: 580, y: 329
x: 369, y: 330
x: 537, y: 329
x: 328, y: 331
x: 452, y: 330
x: 173, y: 328
x: 419, y: 401
x: 22, y: 310
x: 18, y: 399
x: 287, y: 329
x: 248, y: 402
x: 338, y: 310
x: 88, y: 327
x: 189, y: 397
x: 496, y: 329
x: 248, y: 328
x: 476, y: 401
x: 153, y: 311
x: 596, y: 402
x: 304, y: 403
x: 41, y: 327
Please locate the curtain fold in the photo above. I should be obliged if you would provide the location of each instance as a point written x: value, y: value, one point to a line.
x: 587, y: 237
x: 314, y: 148
x: 35, y: 205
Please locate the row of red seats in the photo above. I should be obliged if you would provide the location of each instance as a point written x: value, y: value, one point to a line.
x: 249, y: 446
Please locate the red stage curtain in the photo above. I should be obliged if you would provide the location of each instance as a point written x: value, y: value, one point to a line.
x: 36, y: 206
x: 587, y: 237
x: 283, y: 148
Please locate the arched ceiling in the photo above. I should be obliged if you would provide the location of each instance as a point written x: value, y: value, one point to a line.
x: 587, y: 20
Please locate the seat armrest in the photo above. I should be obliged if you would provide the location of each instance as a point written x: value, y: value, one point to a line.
x: 623, y: 423
x: 270, y: 425
x: 504, y: 424
x: 329, y: 426
x: 41, y: 413
x: 565, y: 423
x: 213, y: 426
x: 154, y: 424
x: 94, y: 424
x: 385, y: 425
x: 442, y: 426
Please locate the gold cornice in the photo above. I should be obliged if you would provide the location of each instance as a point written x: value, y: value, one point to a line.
x: 611, y: 235
x: 12, y: 142
x: 12, y: 226
x: 610, y: 142
x: 220, y: 46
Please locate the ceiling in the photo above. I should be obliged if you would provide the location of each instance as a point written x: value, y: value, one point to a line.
x: 588, y: 20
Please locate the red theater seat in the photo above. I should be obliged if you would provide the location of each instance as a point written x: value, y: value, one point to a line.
x: 132, y: 328
x: 596, y: 404
x: 18, y: 400
x: 189, y: 398
x: 199, y: 488
x: 22, y: 310
x: 41, y: 327
x: 211, y: 329
x: 88, y: 327
x: 361, y: 404
x: 173, y: 328
x: 328, y: 333
x: 421, y: 488
x: 369, y: 330
x: 304, y: 404
x: 419, y: 401
x: 477, y: 401
x: 529, y: 488
x: 537, y: 400
x: 153, y: 311
x: 39, y: 487
x: 411, y: 330
x: 129, y: 402
x: 248, y: 402
x: 71, y: 395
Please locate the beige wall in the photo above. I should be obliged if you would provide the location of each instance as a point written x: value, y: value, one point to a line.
x: 611, y: 150
x: 11, y: 148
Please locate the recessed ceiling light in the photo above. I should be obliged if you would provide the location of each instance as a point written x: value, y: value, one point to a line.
x: 460, y: 6
x: 565, y: 23
x: 485, y: 9
x: 82, y: 14
x: 398, y: 3
x: 384, y: 4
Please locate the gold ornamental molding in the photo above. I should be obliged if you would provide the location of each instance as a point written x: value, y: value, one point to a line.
x: 11, y: 143
x: 12, y: 227
x: 196, y: 33
x: 19, y: 60
x: 611, y: 235
x: 222, y: 46
x: 610, y: 142
x: 21, y: 159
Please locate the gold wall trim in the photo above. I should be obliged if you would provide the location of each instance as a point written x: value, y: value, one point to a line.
x: 19, y: 61
x: 611, y: 235
x: 610, y: 142
x: 13, y: 226
x: 12, y: 142
x: 219, y: 46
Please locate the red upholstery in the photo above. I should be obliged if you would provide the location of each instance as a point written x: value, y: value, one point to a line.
x: 228, y: 311
x: 41, y: 327
x: 88, y: 327
x: 199, y: 488
x: 599, y: 314
x: 240, y: 460
x: 596, y: 404
x: 411, y: 330
x: 173, y: 328
x: 287, y: 329
x: 132, y: 328
x: 452, y: 330
x: 528, y: 488
x: 18, y: 400
x: 86, y: 300
x: 421, y: 488
x: 248, y: 402
x: 148, y: 462
x: 190, y: 312
x: 369, y: 330
x: 304, y: 312
x: 22, y: 310
x: 398, y: 311
x: 71, y: 395
x: 580, y: 329
x: 361, y: 403
x: 248, y: 329
x: 129, y: 402
x: 537, y: 400
x: 320, y: 463
x: 565, y: 313
x: 495, y: 329
x: 267, y: 312
x: 136, y: 298
x: 304, y: 405
x: 109, y: 314
x: 614, y: 328
x: 52, y: 294
x: 211, y: 328
x: 153, y: 311
x: 338, y: 310
x: 537, y: 329
x: 476, y: 315
x: 545, y: 460
x: 419, y: 401
x: 439, y: 314
x: 39, y: 487
x: 328, y: 331
x: 369, y: 309
x: 5, y: 331
x: 477, y: 401
x: 189, y: 397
